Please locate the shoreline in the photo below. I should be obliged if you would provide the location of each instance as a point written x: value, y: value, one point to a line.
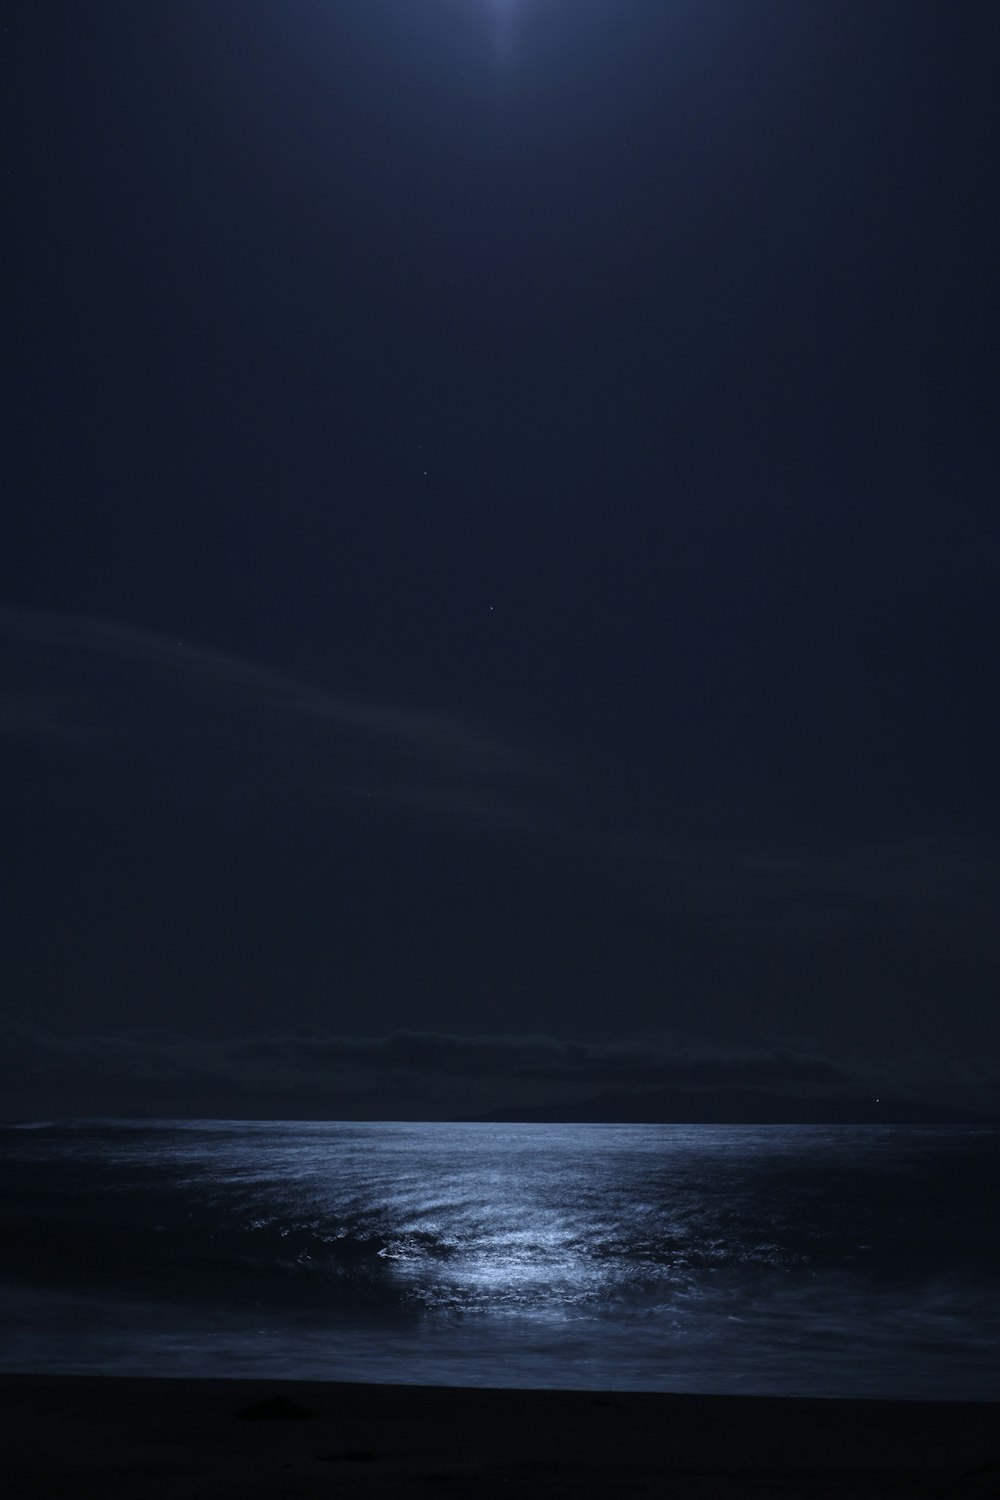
x: 146, y: 1437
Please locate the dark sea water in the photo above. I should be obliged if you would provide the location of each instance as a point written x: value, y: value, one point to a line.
x: 789, y: 1260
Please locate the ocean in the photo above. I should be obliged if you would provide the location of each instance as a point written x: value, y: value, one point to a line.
x: 777, y: 1260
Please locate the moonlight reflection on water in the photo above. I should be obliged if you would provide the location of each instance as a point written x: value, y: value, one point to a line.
x: 821, y: 1260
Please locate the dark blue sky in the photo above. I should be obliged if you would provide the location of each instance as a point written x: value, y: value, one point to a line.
x: 500, y: 536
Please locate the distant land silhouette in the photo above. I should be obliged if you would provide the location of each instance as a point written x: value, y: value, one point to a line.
x: 735, y: 1106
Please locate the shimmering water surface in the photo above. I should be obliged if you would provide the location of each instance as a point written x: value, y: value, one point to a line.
x: 806, y: 1260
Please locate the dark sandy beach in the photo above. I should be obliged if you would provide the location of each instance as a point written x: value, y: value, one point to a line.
x: 101, y: 1438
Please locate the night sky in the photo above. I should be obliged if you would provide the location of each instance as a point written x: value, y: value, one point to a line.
x: 499, y: 552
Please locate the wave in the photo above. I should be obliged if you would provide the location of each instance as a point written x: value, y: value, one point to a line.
x: 191, y: 1257
x: 404, y: 1220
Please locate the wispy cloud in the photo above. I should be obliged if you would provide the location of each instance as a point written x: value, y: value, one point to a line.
x: 335, y: 743
x: 70, y: 675
x: 935, y: 879
x: 437, y: 737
